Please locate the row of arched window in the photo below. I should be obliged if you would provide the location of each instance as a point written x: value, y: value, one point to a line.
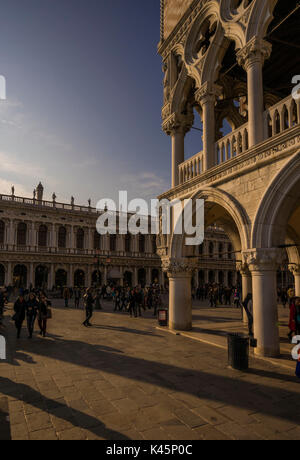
x: 21, y: 238
x: 222, y: 252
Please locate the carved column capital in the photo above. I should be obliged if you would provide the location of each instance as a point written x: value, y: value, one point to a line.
x: 208, y: 93
x: 295, y: 269
x: 243, y: 268
x: 178, y: 123
x: 181, y: 268
x: 263, y: 259
x: 256, y: 49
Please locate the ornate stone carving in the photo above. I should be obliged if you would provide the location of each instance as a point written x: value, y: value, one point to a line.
x: 242, y: 268
x: 257, y: 48
x: 178, y: 122
x: 207, y: 91
x: 263, y: 259
x: 179, y: 267
x: 295, y: 269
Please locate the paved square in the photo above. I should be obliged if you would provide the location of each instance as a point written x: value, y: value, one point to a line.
x: 123, y: 379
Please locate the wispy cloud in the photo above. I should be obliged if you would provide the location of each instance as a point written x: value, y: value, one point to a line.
x: 144, y: 185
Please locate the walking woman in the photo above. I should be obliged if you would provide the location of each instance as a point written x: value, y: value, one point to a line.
x: 43, y: 307
x: 32, y: 307
x: 19, y: 316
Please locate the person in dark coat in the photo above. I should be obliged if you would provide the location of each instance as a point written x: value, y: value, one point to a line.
x: 19, y: 316
x: 89, y: 302
x: 32, y: 308
x: 43, y: 306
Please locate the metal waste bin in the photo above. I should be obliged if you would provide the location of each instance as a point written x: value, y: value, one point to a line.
x: 163, y: 317
x: 238, y: 351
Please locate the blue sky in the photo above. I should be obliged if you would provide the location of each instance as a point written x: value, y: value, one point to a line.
x: 84, y: 95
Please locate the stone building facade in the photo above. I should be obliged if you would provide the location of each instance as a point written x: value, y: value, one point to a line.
x: 46, y: 244
x: 232, y: 63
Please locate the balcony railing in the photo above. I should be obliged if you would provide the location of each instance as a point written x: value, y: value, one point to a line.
x: 232, y: 144
x: 278, y: 118
x: 281, y: 116
x: 191, y: 168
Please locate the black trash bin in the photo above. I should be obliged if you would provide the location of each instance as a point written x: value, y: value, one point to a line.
x: 163, y: 317
x: 238, y: 351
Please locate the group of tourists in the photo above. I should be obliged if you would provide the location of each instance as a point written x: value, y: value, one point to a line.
x: 125, y: 299
x: 32, y: 306
x: 218, y: 294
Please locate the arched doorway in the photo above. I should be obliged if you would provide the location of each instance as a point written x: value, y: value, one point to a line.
x: 155, y: 276
x: 79, y: 278
x: 211, y: 277
x: 2, y: 275
x: 128, y: 278
x: 96, y: 278
x: 142, y: 277
x: 61, y: 278
x: 20, y: 276
x: 221, y: 277
x: 41, y: 277
x: 230, y: 279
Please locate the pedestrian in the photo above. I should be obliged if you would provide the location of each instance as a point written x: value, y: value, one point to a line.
x: 66, y: 296
x: 19, y: 316
x: 77, y: 295
x: 32, y: 307
x: 132, y: 304
x: 237, y: 298
x: 248, y: 307
x: 88, y: 302
x: 44, y: 313
x: 294, y: 323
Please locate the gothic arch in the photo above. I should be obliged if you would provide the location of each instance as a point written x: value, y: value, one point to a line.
x: 277, y: 207
x: 232, y: 218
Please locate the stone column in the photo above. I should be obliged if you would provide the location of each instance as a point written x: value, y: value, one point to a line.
x: 51, y: 279
x: 71, y: 276
x: 135, y: 276
x: 180, y: 296
x: 263, y: 264
x: 176, y: 126
x: 33, y: 236
x: 53, y: 242
x: 206, y: 96
x: 105, y: 275
x: 9, y: 274
x: 148, y: 276
x: 31, y: 275
x: 252, y: 58
x: 246, y: 285
x: 295, y: 269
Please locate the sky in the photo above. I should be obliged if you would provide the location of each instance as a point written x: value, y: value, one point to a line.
x: 84, y: 98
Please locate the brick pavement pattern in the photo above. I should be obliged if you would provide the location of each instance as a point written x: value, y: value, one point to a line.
x: 125, y: 380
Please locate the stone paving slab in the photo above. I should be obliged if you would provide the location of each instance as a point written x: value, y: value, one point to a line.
x: 124, y: 379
